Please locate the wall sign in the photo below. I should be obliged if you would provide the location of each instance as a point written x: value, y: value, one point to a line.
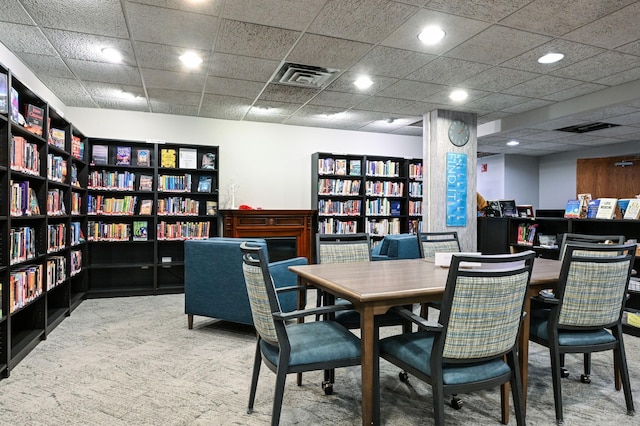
x: 456, y: 189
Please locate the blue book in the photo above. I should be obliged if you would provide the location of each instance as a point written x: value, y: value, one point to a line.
x: 592, y: 209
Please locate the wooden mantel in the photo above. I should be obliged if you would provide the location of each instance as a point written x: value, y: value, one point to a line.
x: 271, y: 223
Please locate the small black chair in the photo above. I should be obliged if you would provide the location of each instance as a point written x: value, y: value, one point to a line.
x: 585, y: 312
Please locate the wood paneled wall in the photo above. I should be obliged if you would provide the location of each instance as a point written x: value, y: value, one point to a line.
x: 601, y: 178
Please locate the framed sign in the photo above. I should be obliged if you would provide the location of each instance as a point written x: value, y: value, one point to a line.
x: 456, y: 189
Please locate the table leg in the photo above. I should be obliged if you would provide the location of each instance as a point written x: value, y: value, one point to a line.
x: 302, y: 303
x: 370, y: 368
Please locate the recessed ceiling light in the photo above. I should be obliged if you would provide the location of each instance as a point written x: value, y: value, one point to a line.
x: 390, y: 120
x: 550, y: 58
x: 363, y: 82
x: 513, y: 143
x: 458, y: 95
x: 128, y: 96
x: 431, y: 35
x: 263, y: 109
x: 191, y: 59
x: 112, y: 54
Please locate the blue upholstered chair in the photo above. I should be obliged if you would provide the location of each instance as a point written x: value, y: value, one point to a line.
x: 214, y: 285
x: 478, y: 329
x: 396, y: 246
x: 286, y: 346
x: 585, y: 311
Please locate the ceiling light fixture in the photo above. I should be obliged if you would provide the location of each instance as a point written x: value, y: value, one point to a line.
x: 390, y: 120
x: 112, y: 54
x: 363, y: 82
x: 458, y: 95
x: 262, y: 109
x: 431, y: 35
x: 191, y: 59
x: 513, y: 143
x: 550, y: 58
x: 128, y: 96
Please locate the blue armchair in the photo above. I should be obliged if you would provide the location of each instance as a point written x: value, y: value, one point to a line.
x: 214, y: 283
x: 397, y: 246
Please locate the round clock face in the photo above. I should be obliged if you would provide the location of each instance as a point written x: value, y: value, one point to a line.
x: 459, y: 133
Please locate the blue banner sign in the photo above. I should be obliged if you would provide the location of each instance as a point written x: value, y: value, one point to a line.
x: 456, y: 189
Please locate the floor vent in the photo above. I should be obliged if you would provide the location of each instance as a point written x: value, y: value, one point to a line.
x: 305, y: 75
x: 586, y: 128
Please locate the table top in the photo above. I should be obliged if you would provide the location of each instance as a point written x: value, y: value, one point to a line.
x: 399, y: 279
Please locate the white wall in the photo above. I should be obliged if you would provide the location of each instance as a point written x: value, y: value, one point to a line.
x: 521, y: 181
x: 491, y: 182
x: 269, y: 163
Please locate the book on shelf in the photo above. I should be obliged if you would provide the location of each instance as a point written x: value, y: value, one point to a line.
x: 145, y: 183
x: 168, y: 158
x: 355, y: 167
x: 341, y: 167
x: 123, y: 155
x: 99, y: 155
x: 212, y: 208
x: 204, y: 184
x: 34, y: 119
x: 140, y: 230
x: 146, y: 206
x: 525, y: 210
x: 188, y: 158
x: 633, y: 209
x: 592, y: 209
x: 143, y: 157
x: 15, y: 107
x: 607, y: 208
x: 572, y: 210
x: 209, y: 161
x: 57, y: 137
x: 584, y: 204
x: 77, y: 147
x: 4, y: 105
x: 395, y: 208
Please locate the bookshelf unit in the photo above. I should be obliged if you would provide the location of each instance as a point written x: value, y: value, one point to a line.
x: 360, y: 193
x: 147, y: 199
x: 42, y: 270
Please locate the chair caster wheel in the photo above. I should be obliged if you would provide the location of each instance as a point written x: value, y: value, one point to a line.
x: 585, y: 379
x: 327, y: 387
x: 564, y: 373
x: 456, y: 403
x: 404, y: 376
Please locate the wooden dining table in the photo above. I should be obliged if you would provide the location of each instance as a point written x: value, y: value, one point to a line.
x: 375, y: 287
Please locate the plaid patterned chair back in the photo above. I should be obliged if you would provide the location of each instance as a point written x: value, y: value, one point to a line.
x: 570, y: 238
x: 349, y: 248
x: 438, y: 242
x: 482, y: 316
x: 592, y: 293
x: 261, y: 292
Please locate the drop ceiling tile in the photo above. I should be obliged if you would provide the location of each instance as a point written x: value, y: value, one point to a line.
x: 103, y: 72
x: 167, y: 58
x: 317, y: 112
x: 362, y: 117
x: 613, y: 30
x: 367, y: 21
x: 274, y: 108
x: 12, y: 11
x: 31, y: 39
x: 111, y: 103
x: 91, y: 17
x: 558, y: 123
x: 307, y: 121
x: 328, y: 52
x: 344, y: 83
x: 172, y: 27
x: 599, y: 66
x: 213, y: 8
x: 528, y: 106
x: 382, y: 104
x: 549, y: 135
x: 575, y: 91
x: 620, y: 78
x: 51, y: 66
x: 550, y: 17
x: 233, y: 87
x: 573, y: 53
x: 497, y: 78
x: 632, y: 119
x: 585, y: 140
x: 342, y: 100
x: 111, y: 91
x: 492, y: 116
x: 632, y: 48
x: 416, y: 109
x: 69, y: 91
x: 541, y: 86
x: 225, y: 107
x: 391, y: 62
x: 293, y: 15
x: 406, y: 36
x: 412, y: 90
x: 242, y: 67
x: 615, y: 132
x: 173, y: 108
x: 481, y: 48
x: 285, y: 93
x: 408, y: 131
x: 497, y: 102
x: 180, y: 97
x: 604, y: 114
x: 485, y: 10
x: 258, y: 41
x: 447, y: 71
x: 173, y: 80
x: 88, y: 47
x: 442, y: 97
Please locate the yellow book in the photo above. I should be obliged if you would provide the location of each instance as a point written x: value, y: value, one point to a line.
x: 168, y: 158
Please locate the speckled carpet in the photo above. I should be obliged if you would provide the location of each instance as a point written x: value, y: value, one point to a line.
x: 132, y: 361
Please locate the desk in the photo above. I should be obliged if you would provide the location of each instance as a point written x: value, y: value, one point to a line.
x: 374, y: 287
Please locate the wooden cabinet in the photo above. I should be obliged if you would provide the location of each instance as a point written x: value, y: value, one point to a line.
x: 43, y: 274
x: 144, y: 201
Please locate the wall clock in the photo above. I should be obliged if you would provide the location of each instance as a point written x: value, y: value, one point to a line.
x: 459, y: 133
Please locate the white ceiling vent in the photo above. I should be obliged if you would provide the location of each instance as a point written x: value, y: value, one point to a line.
x: 304, y: 75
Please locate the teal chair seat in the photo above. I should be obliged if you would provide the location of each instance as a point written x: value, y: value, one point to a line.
x: 539, y: 329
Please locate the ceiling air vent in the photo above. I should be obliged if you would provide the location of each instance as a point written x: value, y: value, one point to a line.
x: 589, y: 127
x: 304, y: 75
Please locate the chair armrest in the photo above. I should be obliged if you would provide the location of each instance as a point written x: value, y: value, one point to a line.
x: 291, y: 288
x: 417, y: 319
x: 283, y: 277
x: 285, y: 316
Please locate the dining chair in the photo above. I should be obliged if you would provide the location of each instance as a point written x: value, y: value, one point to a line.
x: 286, y: 346
x: 585, y: 312
x: 473, y: 345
